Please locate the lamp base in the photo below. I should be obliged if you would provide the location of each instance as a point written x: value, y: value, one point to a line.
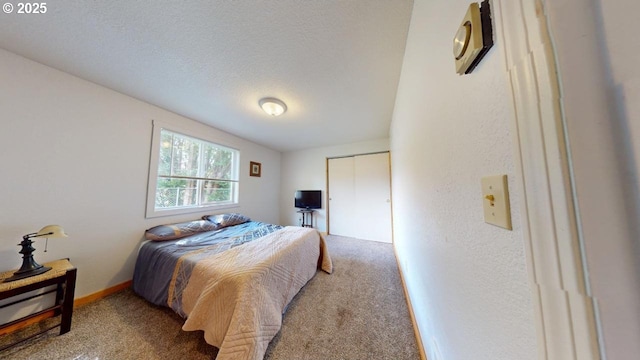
x: 22, y: 274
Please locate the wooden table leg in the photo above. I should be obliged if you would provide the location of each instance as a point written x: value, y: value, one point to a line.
x: 67, y: 304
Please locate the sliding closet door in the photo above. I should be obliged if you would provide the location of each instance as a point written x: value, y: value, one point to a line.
x: 360, y: 197
x: 341, y: 197
x: 373, y: 197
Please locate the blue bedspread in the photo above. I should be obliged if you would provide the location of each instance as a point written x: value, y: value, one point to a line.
x: 157, y: 260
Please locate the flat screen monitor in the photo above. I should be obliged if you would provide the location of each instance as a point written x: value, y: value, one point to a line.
x: 308, y: 199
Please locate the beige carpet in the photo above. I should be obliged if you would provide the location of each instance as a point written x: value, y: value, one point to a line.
x: 358, y: 312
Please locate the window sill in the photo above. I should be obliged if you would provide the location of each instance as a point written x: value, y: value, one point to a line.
x: 190, y: 210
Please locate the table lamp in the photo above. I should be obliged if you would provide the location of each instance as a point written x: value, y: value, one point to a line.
x: 29, y: 266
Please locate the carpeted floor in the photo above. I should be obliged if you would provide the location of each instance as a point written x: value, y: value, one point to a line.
x: 358, y: 312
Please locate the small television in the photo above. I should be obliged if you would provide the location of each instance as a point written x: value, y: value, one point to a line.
x: 308, y: 199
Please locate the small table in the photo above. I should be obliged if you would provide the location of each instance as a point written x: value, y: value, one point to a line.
x: 304, y: 213
x: 62, y: 275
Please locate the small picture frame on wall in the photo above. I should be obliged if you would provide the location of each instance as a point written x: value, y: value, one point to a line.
x: 255, y: 168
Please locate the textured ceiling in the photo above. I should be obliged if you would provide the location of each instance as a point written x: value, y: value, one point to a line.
x: 335, y: 63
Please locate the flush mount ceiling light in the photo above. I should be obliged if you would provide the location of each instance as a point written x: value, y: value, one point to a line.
x: 273, y: 106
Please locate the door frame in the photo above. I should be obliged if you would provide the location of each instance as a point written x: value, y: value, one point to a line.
x: 564, y: 308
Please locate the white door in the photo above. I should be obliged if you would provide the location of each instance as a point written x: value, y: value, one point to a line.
x: 360, y: 197
x: 341, y: 197
x: 373, y: 197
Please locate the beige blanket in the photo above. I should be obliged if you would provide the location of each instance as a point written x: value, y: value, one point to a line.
x: 238, y: 296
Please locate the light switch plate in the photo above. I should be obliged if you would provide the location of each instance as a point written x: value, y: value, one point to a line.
x: 495, y: 201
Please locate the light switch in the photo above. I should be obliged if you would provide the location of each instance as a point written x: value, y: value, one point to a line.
x: 495, y: 201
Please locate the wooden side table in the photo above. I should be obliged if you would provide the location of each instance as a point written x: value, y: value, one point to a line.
x: 62, y: 275
x: 304, y: 217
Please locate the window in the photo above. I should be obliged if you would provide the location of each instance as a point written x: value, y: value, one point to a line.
x: 188, y: 174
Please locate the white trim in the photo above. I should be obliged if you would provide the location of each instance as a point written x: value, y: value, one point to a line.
x: 152, y: 183
x: 564, y: 308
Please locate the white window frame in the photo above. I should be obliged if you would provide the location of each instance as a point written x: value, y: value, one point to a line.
x: 153, y: 173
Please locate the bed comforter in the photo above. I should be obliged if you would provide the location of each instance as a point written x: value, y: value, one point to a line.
x: 237, y: 296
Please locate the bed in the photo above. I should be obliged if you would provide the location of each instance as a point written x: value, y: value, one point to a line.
x: 232, y: 279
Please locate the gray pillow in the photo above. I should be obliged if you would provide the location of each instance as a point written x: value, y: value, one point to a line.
x: 224, y: 220
x: 180, y: 230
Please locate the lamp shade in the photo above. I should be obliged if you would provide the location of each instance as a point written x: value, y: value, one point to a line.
x: 52, y: 231
x: 273, y: 106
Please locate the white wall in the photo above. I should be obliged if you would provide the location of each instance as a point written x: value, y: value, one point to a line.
x: 601, y: 95
x: 467, y: 280
x: 307, y: 170
x: 77, y: 154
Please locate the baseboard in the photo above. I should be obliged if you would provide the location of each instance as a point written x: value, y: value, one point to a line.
x: 101, y: 294
x: 423, y: 354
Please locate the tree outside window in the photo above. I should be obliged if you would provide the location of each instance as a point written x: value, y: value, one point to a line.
x: 194, y: 172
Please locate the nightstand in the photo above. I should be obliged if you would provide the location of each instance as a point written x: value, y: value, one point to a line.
x: 305, y: 213
x: 63, y: 276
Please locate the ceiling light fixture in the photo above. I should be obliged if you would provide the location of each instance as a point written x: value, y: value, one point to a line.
x: 273, y: 106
